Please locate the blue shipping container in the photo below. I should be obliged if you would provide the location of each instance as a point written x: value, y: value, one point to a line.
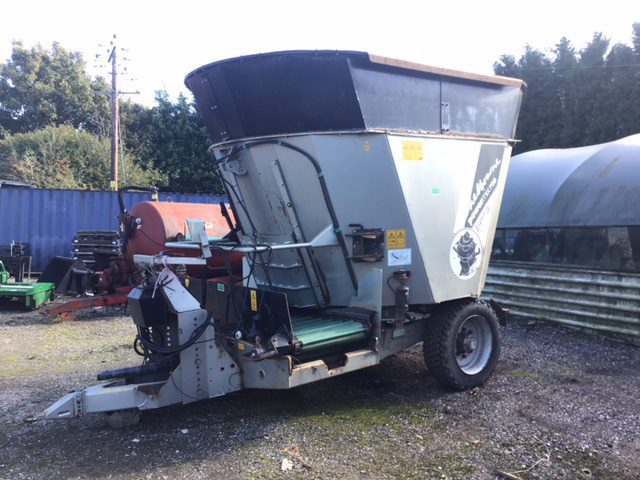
x: 49, y: 219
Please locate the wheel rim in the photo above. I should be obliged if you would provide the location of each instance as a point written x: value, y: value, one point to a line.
x: 474, y: 343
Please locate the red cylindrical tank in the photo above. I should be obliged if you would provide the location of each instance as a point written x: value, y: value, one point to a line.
x: 154, y: 223
x: 161, y: 222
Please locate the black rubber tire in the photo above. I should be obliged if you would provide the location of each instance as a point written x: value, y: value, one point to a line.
x: 439, y: 347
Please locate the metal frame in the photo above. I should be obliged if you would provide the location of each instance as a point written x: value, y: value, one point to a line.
x: 208, y: 370
x: 212, y: 367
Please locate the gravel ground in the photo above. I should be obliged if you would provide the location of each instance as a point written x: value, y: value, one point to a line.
x: 561, y: 404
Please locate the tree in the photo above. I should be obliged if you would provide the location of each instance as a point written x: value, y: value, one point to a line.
x: 576, y: 99
x: 172, y: 138
x: 64, y: 157
x: 622, y: 117
x: 635, y: 41
x: 592, y: 82
x: 43, y: 89
x: 39, y: 88
x: 564, y: 70
x: 536, y: 127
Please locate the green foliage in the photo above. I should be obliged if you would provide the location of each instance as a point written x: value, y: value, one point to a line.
x: 39, y: 88
x: 172, y: 138
x: 577, y: 98
x: 65, y: 157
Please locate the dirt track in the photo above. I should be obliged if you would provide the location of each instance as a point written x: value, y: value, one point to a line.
x: 562, y: 404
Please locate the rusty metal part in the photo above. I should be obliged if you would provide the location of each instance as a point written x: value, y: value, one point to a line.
x: 156, y: 223
x: 152, y: 224
x: 494, y: 79
x: 66, y: 311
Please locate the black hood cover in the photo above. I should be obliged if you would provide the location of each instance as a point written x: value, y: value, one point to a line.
x: 323, y: 91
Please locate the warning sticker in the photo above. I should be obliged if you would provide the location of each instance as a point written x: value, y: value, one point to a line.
x: 401, y: 256
x: 396, y: 239
x: 254, y: 300
x: 412, y: 150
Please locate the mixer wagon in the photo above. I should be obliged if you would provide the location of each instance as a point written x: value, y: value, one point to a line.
x: 365, y: 193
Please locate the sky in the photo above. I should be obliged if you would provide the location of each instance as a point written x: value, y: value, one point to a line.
x: 165, y: 40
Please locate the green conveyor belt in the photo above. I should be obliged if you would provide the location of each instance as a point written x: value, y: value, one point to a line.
x: 325, y: 333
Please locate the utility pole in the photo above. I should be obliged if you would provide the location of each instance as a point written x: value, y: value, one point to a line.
x: 114, y: 119
x: 114, y: 95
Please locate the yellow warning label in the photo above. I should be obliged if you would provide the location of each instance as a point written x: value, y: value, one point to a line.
x: 412, y: 150
x: 396, y: 239
x: 254, y: 301
x: 366, y: 147
x: 240, y: 346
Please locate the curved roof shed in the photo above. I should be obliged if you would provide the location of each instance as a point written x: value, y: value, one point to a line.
x: 598, y: 185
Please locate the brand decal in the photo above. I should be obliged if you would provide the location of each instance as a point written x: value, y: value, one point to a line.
x: 475, y: 217
x: 483, y: 188
x: 465, y: 256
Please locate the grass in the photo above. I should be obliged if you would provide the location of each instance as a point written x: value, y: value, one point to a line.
x: 357, y: 416
x: 60, y: 348
x: 523, y: 374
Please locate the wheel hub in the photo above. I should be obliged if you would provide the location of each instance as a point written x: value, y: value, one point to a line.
x: 467, y: 342
x: 473, y: 344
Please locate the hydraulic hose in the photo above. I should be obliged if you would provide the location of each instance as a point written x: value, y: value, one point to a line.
x: 128, y: 188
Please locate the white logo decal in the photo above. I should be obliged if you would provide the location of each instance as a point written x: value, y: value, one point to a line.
x: 465, y: 255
